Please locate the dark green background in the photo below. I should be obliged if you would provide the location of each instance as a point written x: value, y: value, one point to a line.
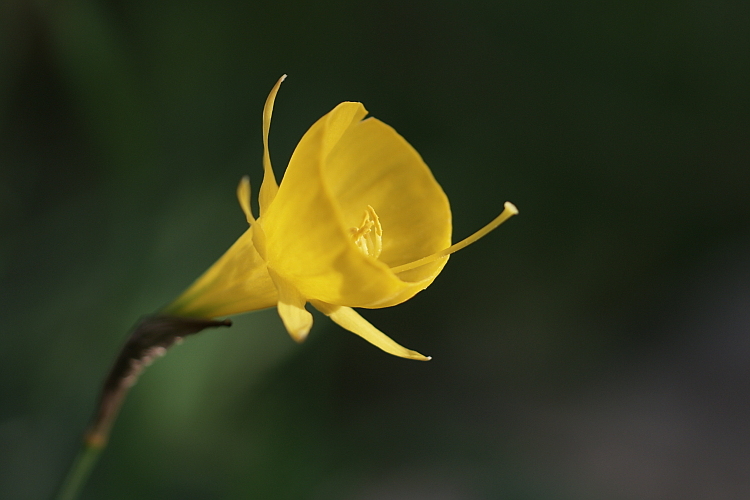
x: 595, y: 346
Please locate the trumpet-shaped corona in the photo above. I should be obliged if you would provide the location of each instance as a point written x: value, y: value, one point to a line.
x: 319, y: 239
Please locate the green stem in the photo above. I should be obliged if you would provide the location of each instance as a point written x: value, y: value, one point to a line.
x: 79, y: 472
x: 151, y: 338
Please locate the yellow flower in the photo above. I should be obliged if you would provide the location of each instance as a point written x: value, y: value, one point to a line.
x: 358, y: 221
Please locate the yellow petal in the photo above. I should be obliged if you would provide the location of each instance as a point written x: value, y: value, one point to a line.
x: 307, y: 228
x: 238, y: 282
x: 269, y: 188
x: 374, y: 165
x: 297, y: 320
x: 350, y: 320
x: 243, y: 195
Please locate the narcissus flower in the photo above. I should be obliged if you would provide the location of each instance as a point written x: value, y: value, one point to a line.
x: 358, y: 221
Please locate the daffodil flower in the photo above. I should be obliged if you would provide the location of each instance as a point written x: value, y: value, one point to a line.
x: 358, y: 221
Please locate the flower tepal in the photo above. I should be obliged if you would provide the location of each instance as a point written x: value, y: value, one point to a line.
x: 357, y: 221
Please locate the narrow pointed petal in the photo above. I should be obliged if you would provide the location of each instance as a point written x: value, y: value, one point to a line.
x: 269, y: 188
x: 297, y: 320
x: 349, y: 319
x: 243, y: 195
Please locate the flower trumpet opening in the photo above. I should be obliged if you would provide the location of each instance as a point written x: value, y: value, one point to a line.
x: 509, y: 211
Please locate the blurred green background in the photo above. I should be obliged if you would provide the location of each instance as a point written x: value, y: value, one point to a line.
x: 595, y: 346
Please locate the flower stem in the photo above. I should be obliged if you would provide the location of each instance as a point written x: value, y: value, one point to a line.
x: 79, y: 472
x: 149, y: 340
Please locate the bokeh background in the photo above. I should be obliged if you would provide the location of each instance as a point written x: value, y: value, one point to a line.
x: 596, y: 346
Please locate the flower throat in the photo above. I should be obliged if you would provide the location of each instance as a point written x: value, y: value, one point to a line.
x: 369, y: 235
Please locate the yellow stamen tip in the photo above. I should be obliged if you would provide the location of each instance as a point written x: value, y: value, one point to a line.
x: 509, y: 211
x: 369, y: 235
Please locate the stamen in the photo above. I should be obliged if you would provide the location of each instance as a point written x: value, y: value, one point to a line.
x: 509, y: 211
x: 369, y: 235
x: 375, y: 238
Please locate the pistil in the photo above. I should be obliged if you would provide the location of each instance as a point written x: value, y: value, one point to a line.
x: 509, y: 211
